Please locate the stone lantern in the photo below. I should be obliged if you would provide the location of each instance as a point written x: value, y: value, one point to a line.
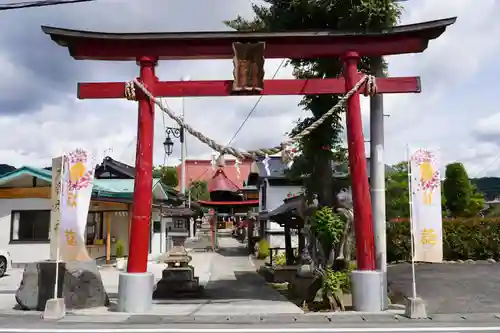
x: 178, y: 277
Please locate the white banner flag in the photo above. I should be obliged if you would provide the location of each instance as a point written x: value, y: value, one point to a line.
x: 77, y: 180
x: 56, y: 203
x: 427, y: 220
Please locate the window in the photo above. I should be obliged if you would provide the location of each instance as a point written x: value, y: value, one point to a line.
x: 30, y: 226
x: 179, y: 224
x: 94, y: 229
x: 156, y: 227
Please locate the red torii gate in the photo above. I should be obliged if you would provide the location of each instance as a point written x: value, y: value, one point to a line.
x: 148, y: 48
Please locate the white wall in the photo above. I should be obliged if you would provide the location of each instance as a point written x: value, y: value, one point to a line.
x: 119, y: 230
x: 158, y: 239
x: 275, y: 196
x: 278, y: 241
x: 22, y: 253
x: 31, y: 252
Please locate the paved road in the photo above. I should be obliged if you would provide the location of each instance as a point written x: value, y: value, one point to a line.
x: 231, y: 287
x: 451, y: 288
x: 235, y: 288
x: 297, y: 323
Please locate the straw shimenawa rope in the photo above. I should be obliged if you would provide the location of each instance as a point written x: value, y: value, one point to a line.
x: 370, y: 89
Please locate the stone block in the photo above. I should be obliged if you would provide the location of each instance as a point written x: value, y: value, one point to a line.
x: 80, y: 285
x: 415, y: 308
x: 301, y: 287
x: 177, y: 281
x: 178, y: 273
x: 284, y: 274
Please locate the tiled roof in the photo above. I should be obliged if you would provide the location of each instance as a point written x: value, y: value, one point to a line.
x: 101, y: 187
x: 220, y: 182
x: 35, y: 172
x: 118, y: 187
x: 122, y: 168
x: 202, y: 170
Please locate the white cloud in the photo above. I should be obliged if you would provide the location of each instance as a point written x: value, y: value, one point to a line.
x: 453, y: 82
x: 453, y: 71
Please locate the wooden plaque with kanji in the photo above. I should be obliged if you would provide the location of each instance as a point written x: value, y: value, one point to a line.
x: 248, y: 66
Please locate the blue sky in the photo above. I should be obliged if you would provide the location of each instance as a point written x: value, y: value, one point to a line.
x: 456, y: 112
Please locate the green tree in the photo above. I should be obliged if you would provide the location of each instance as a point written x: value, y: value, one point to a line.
x: 490, y: 186
x: 199, y: 190
x: 325, y: 143
x: 167, y: 174
x: 477, y: 202
x: 457, y: 189
x: 397, y: 192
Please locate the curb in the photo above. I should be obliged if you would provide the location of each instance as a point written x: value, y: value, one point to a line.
x: 311, y: 318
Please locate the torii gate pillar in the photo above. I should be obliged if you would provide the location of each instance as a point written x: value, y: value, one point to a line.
x: 137, y: 281
x: 357, y: 162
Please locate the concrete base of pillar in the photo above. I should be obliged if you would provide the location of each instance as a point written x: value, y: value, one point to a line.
x: 384, y: 292
x: 367, y: 291
x: 135, y: 292
x: 415, y: 308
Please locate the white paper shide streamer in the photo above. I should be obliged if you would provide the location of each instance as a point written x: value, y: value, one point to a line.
x: 77, y: 180
x: 427, y: 221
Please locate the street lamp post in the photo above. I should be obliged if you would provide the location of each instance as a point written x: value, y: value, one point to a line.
x: 168, y: 144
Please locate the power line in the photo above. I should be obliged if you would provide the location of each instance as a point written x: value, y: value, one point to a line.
x: 40, y: 3
x: 255, y: 106
x: 488, y: 167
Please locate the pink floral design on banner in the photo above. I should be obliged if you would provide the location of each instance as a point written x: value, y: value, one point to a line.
x: 429, y: 172
x: 80, y: 177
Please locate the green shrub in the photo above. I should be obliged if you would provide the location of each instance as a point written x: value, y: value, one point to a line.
x: 120, y: 249
x: 475, y: 238
x: 327, y: 225
x: 351, y: 266
x: 280, y: 259
x: 335, y: 281
x: 263, y: 249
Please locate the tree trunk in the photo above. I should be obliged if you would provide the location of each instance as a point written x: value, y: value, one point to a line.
x: 343, y: 250
x: 324, y: 184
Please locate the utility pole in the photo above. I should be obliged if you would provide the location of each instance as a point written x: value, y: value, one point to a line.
x: 377, y: 180
x: 183, y: 146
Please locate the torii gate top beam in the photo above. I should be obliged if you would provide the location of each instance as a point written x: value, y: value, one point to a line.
x: 87, y: 45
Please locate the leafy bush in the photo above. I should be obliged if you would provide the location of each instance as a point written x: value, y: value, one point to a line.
x: 280, y: 259
x: 335, y: 281
x: 474, y: 238
x: 120, y: 249
x: 327, y: 225
x: 263, y: 249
